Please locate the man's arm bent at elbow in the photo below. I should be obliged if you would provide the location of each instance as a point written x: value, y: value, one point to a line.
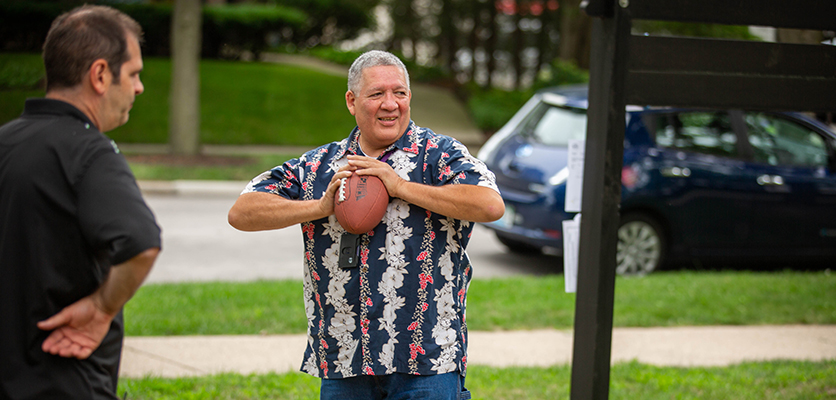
x: 465, y: 202
x: 78, y: 329
x: 459, y: 201
x: 259, y: 211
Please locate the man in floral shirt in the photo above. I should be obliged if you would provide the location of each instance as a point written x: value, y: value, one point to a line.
x: 394, y: 324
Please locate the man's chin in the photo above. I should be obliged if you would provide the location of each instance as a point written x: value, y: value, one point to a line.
x: 391, y: 133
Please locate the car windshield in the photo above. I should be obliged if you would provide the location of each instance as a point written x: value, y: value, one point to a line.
x: 555, y: 126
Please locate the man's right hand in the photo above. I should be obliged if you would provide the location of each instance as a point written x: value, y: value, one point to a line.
x: 77, y: 330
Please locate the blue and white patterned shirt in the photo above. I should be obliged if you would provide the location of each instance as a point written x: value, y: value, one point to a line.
x: 403, y: 309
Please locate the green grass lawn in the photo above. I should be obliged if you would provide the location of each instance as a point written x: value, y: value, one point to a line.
x: 241, y: 103
x: 779, y: 380
x: 660, y: 299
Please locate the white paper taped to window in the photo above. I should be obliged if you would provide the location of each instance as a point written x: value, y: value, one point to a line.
x: 574, y: 184
x: 571, y: 246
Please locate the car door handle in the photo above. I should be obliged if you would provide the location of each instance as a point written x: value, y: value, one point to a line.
x: 770, y: 180
x: 675, y: 172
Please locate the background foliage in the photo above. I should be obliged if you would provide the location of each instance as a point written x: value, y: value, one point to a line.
x: 492, y: 54
x: 241, y: 103
x: 228, y: 29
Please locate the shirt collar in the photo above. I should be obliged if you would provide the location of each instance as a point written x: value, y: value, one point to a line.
x: 352, y: 146
x: 54, y: 107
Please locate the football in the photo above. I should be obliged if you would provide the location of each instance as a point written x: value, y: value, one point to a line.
x: 360, y: 203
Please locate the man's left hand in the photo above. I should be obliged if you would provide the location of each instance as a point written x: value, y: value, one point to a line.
x: 370, y: 166
x: 466, y: 202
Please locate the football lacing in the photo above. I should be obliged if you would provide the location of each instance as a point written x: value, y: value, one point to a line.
x: 341, y: 196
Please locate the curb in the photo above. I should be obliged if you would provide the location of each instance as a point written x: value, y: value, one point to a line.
x: 192, y: 188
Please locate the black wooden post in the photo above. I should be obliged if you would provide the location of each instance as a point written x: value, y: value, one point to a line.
x: 601, y: 199
x: 681, y: 72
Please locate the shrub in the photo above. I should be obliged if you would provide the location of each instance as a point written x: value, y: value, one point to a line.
x: 333, y: 55
x: 245, y: 27
x: 228, y: 29
x: 492, y: 108
x: 21, y: 71
x: 561, y: 73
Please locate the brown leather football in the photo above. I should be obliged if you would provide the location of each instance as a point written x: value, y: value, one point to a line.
x: 361, y: 202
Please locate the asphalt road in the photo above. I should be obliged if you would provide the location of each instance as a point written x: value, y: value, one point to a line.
x: 199, y: 245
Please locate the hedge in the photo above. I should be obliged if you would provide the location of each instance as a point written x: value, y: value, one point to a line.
x: 227, y: 29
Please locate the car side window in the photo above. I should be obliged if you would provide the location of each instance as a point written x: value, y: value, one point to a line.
x: 699, y: 131
x: 779, y: 141
x: 554, y: 126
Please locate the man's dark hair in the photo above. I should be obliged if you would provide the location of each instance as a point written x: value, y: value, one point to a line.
x: 83, y: 35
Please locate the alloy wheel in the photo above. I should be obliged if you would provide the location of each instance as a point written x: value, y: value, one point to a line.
x: 639, y: 248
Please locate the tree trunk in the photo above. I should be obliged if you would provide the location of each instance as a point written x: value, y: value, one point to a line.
x: 473, y: 41
x: 575, y: 28
x: 447, y: 45
x: 405, y: 26
x: 545, y: 53
x: 517, y: 50
x: 490, y: 44
x: 803, y: 36
x: 799, y: 36
x: 184, y: 107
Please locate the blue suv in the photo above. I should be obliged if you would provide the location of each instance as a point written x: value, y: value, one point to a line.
x: 696, y: 183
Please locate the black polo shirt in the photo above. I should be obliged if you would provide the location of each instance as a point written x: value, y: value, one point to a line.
x: 69, y: 210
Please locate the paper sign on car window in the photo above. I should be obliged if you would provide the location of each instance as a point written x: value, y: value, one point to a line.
x: 574, y: 184
x: 571, y: 246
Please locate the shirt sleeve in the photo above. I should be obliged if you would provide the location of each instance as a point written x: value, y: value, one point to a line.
x: 450, y: 162
x: 283, y: 180
x: 112, y: 213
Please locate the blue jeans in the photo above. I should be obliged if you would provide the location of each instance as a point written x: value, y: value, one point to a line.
x: 449, y: 386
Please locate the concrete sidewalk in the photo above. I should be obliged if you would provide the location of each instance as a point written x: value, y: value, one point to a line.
x: 181, y: 356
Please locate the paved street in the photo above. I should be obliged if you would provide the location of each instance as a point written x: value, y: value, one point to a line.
x: 199, y: 245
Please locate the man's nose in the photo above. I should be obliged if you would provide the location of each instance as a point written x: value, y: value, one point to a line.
x: 390, y: 102
x: 139, y: 87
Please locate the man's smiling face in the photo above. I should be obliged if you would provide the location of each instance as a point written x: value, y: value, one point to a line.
x: 380, y: 107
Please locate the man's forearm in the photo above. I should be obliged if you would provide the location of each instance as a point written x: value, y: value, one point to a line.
x: 264, y: 211
x: 78, y: 329
x: 123, y: 280
x: 464, y: 202
x: 458, y: 201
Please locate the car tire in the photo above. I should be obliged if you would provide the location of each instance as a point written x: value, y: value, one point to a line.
x: 518, y: 247
x: 641, y: 245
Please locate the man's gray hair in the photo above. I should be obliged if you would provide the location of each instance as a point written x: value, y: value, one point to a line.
x: 373, y: 58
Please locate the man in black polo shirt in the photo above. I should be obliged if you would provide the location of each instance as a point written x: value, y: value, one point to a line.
x: 76, y: 237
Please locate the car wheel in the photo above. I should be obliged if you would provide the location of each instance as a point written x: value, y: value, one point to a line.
x: 641, y: 245
x: 518, y: 247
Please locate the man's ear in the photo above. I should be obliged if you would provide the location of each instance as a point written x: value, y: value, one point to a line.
x: 349, y: 101
x: 100, y: 76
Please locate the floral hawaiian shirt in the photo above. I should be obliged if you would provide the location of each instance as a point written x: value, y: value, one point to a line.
x: 403, y: 308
